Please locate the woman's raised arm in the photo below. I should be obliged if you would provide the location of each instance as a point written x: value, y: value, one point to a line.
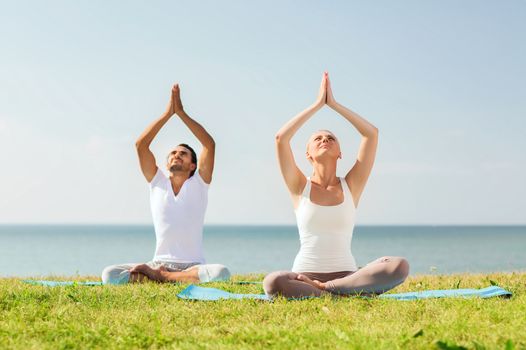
x: 357, y: 177
x: 293, y: 176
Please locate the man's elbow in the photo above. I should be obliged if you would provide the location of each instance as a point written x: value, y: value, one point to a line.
x: 211, y: 144
x: 141, y: 144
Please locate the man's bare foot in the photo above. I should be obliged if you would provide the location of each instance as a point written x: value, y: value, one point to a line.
x: 317, y: 284
x: 137, y: 277
x: 152, y: 274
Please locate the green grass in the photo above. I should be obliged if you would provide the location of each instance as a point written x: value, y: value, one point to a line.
x: 151, y: 316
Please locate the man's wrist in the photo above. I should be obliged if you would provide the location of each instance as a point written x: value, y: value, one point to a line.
x: 167, y: 114
x: 180, y: 113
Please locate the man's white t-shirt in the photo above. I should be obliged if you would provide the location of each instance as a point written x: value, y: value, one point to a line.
x: 178, y: 220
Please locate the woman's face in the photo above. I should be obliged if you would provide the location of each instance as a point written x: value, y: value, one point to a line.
x: 323, y: 144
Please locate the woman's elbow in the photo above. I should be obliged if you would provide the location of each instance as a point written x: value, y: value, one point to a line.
x: 374, y: 132
x: 278, y: 137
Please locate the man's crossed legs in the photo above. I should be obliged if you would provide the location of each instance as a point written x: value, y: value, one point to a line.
x: 163, y: 271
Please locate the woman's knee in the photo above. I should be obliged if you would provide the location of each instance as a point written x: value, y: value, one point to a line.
x: 400, y: 267
x: 395, y: 266
x: 273, y: 282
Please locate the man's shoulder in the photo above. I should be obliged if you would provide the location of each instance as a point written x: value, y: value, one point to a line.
x: 197, y: 177
x: 197, y: 180
x: 159, y: 177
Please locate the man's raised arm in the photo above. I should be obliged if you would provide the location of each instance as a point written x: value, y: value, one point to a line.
x: 205, y: 164
x: 146, y: 157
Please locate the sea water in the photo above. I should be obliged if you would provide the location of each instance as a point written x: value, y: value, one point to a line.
x: 37, y: 250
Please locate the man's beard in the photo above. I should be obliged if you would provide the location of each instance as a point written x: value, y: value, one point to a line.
x: 176, y: 167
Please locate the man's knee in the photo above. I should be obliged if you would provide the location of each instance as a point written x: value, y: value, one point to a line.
x: 273, y: 282
x: 115, y: 275
x: 212, y: 272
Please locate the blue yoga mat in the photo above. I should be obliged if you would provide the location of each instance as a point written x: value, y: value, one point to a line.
x: 62, y: 283
x: 493, y: 291
x: 193, y: 292
x: 201, y: 293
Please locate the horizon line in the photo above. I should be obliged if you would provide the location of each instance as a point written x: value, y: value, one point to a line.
x: 260, y: 224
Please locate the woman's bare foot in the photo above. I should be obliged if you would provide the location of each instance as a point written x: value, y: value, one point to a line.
x: 317, y: 284
x: 152, y: 274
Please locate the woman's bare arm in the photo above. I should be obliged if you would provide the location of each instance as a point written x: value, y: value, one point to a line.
x: 292, y: 175
x: 357, y: 177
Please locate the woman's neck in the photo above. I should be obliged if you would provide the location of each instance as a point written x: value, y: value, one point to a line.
x: 324, y: 174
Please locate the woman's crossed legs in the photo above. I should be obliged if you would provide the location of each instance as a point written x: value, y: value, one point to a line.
x: 376, y: 277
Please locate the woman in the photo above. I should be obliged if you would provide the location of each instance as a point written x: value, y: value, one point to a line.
x: 325, y: 208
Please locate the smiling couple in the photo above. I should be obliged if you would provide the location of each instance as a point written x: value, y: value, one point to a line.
x: 324, y: 204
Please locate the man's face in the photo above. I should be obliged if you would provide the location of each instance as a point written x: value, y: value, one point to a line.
x: 180, y: 159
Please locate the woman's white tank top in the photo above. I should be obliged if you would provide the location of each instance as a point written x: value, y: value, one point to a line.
x: 325, y: 234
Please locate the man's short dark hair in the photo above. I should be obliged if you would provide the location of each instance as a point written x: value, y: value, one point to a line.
x: 194, y: 156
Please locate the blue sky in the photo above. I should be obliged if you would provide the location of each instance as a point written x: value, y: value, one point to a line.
x: 444, y: 82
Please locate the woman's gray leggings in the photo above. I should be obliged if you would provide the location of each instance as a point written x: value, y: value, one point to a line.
x: 376, y: 277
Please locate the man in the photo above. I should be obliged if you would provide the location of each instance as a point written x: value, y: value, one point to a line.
x: 178, y: 203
